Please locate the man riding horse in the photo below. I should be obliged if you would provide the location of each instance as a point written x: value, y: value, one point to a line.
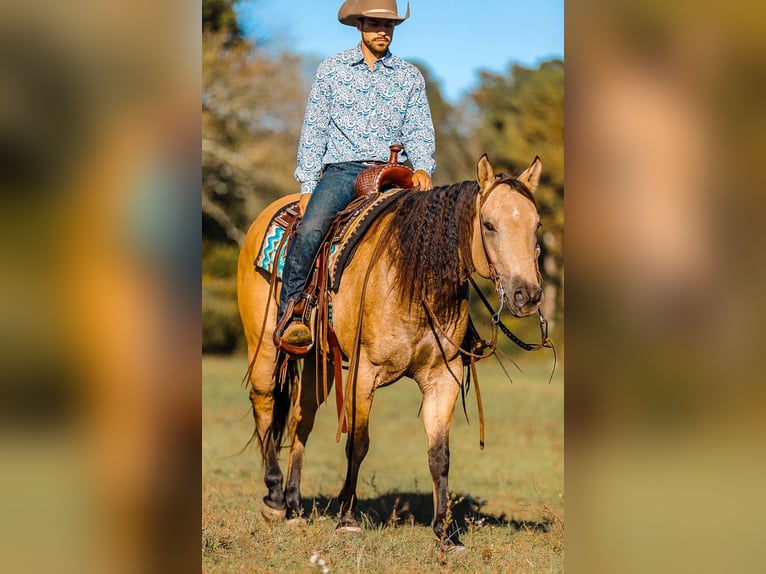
x: 400, y: 305
x: 362, y: 101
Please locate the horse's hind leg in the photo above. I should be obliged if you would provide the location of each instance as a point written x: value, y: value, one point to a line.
x: 262, y: 397
x: 357, y: 445
x: 439, y: 398
x: 301, y: 423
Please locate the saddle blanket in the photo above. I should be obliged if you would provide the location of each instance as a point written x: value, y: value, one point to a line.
x: 360, y: 216
x: 267, y: 256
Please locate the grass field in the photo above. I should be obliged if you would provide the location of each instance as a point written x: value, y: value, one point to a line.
x: 508, y: 499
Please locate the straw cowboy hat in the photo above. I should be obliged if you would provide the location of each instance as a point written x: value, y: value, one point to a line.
x: 352, y: 10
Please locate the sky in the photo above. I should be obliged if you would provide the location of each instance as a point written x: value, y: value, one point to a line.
x: 454, y: 39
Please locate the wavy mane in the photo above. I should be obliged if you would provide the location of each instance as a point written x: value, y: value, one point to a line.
x: 430, y: 245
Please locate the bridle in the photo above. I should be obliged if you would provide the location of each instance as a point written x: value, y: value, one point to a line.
x: 481, y: 348
x: 545, y: 341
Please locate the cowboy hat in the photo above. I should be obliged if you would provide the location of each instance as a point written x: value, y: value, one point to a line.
x: 351, y: 10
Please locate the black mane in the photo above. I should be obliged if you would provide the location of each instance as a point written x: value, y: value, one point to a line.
x: 430, y: 245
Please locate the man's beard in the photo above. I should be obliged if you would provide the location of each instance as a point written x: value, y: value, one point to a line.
x: 372, y: 46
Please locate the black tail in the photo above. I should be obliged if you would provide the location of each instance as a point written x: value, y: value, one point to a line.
x: 286, y: 376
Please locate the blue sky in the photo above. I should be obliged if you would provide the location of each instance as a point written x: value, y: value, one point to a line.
x: 455, y: 39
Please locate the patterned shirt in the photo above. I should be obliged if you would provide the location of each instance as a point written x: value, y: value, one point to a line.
x: 355, y: 113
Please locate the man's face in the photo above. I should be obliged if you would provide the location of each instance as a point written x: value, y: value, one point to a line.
x: 376, y: 34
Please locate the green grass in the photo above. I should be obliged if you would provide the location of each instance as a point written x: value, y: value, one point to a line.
x: 508, y: 499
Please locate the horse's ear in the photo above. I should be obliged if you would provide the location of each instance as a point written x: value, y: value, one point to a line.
x: 485, y: 175
x: 531, y: 176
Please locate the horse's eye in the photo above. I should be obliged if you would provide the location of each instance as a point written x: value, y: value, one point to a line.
x: 488, y: 226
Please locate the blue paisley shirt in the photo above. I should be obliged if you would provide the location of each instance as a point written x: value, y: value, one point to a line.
x: 354, y: 114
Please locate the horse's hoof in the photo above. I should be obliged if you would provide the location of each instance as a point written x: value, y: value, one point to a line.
x: 348, y: 529
x: 450, y: 550
x: 297, y: 522
x: 454, y: 550
x: 273, y: 514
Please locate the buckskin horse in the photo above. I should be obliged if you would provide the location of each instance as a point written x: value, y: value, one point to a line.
x: 400, y: 309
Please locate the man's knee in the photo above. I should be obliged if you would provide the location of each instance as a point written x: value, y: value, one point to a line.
x: 310, y: 235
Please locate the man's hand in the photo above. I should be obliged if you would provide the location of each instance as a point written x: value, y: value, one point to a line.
x: 302, y: 203
x: 421, y: 180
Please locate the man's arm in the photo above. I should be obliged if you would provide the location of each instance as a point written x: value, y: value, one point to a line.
x: 313, y: 140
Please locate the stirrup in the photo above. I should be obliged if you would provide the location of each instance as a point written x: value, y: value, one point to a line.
x: 298, y: 310
x: 297, y: 335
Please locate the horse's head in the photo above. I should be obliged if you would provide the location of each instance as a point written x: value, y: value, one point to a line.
x: 505, y: 236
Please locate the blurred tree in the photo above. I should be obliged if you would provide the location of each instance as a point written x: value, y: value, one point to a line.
x: 218, y: 16
x: 522, y: 115
x: 252, y: 106
x: 251, y: 116
x: 455, y: 156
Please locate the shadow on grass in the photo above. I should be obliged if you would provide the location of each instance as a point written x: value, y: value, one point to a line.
x: 417, y: 508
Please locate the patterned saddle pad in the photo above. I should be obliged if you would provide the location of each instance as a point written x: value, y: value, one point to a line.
x: 267, y: 255
x: 349, y: 227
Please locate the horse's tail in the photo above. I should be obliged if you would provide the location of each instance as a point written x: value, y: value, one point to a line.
x: 255, y: 297
x: 287, y: 377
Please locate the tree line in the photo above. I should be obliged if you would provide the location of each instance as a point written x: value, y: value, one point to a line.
x: 252, y: 111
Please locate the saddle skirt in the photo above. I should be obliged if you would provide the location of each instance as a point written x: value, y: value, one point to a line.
x: 269, y: 254
x: 345, y: 232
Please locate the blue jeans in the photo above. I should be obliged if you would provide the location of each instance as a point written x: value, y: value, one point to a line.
x: 332, y: 194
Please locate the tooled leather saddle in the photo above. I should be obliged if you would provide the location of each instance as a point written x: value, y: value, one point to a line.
x: 384, y: 176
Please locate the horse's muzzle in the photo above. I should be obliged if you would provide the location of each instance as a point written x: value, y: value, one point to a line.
x: 525, y: 299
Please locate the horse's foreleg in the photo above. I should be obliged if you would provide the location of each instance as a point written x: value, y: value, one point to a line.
x: 263, y: 408
x: 357, y: 445
x: 438, y: 403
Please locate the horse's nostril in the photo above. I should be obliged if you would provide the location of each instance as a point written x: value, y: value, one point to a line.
x: 527, y: 295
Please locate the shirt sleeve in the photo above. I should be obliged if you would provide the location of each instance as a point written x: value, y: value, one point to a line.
x: 418, y: 135
x: 313, y: 140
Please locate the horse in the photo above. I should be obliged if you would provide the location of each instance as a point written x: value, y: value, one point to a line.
x: 400, y: 309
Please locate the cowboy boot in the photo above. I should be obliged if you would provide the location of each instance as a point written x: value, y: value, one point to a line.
x: 293, y: 333
x: 297, y: 334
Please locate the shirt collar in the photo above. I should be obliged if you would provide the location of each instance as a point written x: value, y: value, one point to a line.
x: 358, y: 57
